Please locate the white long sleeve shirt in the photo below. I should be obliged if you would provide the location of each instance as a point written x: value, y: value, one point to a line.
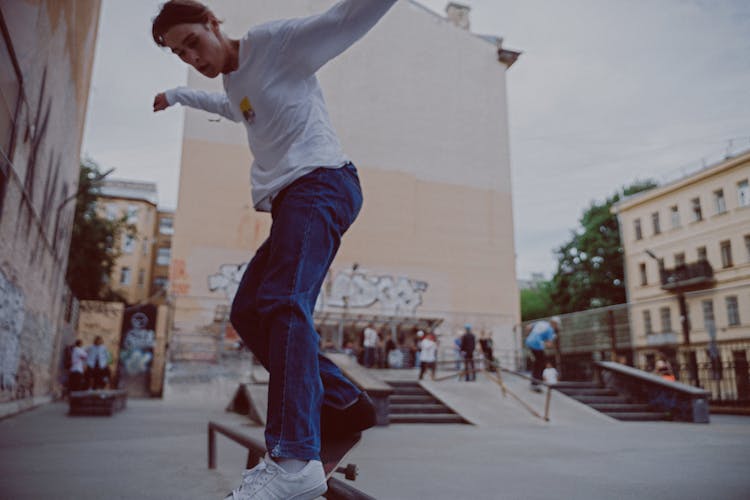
x: 275, y: 94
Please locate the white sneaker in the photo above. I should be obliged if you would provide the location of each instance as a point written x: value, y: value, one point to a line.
x: 268, y: 481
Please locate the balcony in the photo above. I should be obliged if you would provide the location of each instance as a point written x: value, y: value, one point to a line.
x: 694, y: 276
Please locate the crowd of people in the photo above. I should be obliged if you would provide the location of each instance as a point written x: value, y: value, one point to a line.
x: 420, y: 349
x: 88, y: 368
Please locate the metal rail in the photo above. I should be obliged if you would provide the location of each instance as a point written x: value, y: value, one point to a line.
x: 337, y: 489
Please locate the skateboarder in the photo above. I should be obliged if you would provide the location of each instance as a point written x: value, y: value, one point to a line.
x: 302, y: 177
x: 541, y: 335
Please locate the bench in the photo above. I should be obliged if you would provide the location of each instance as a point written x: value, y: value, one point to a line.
x: 98, y: 402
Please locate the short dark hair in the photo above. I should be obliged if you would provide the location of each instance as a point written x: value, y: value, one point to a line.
x: 177, y: 12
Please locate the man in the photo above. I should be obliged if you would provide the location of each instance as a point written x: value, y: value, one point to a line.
x: 428, y: 354
x: 542, y: 335
x: 98, y: 364
x: 485, y: 343
x: 468, y: 346
x: 300, y: 175
x: 370, y: 343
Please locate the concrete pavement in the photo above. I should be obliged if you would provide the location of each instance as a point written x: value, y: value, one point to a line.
x: 157, y: 449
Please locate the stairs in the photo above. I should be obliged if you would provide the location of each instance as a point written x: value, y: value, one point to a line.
x: 610, y: 402
x: 412, y: 404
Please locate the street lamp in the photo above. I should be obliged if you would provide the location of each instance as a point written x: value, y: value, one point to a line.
x: 685, y: 323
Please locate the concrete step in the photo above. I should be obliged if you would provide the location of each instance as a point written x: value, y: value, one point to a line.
x: 411, y: 399
x: 409, y: 391
x: 403, y: 383
x: 426, y: 418
x: 589, y: 392
x: 638, y: 416
x: 593, y: 400
x: 614, y: 407
x: 419, y: 408
x: 577, y: 385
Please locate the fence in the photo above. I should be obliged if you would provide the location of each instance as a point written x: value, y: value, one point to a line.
x: 603, y: 334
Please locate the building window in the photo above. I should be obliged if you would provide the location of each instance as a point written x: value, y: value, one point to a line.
x: 111, y: 210
x: 166, y: 225
x: 708, y: 313
x: 655, y: 222
x: 743, y: 193
x: 702, y: 255
x: 125, y: 276
x: 160, y: 283
x: 679, y: 259
x: 644, y: 277
x: 163, y: 256
x: 647, y: 327
x: 128, y: 244
x: 144, y: 247
x: 638, y: 230
x: 132, y: 214
x: 747, y: 246
x: 726, y: 253
x: 675, y: 213
x: 720, y: 204
x: 141, y: 277
x: 666, y: 319
x: 733, y: 311
x: 695, y: 205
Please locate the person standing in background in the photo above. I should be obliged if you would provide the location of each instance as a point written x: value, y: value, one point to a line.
x: 77, y: 381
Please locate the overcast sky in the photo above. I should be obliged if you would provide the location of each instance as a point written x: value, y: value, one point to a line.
x: 605, y: 92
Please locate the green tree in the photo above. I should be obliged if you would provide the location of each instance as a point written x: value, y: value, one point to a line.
x: 93, y: 248
x: 590, y: 265
x: 537, y: 302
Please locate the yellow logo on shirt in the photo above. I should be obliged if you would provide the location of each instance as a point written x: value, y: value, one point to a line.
x: 247, y: 110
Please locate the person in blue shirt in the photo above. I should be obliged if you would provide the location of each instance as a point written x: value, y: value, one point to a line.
x: 541, y: 335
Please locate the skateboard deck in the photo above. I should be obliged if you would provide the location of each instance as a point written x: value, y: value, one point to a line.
x: 333, y: 452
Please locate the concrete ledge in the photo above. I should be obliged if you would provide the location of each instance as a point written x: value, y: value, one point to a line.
x: 378, y: 390
x: 15, y: 407
x: 683, y: 402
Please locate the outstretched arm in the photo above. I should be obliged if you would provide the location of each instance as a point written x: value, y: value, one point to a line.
x: 213, y: 102
x: 311, y: 42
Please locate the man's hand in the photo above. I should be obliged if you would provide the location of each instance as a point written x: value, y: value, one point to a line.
x: 160, y: 102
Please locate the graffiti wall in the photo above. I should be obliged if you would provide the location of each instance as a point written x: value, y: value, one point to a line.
x: 354, y: 288
x: 46, y: 58
x: 11, y: 326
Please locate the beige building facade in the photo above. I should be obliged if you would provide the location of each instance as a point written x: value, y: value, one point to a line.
x: 136, y: 202
x: 420, y: 107
x: 46, y: 56
x: 687, y: 258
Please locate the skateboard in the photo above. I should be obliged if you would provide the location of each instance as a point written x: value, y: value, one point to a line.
x: 333, y: 452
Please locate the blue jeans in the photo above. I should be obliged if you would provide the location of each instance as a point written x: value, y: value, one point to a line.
x: 273, y: 308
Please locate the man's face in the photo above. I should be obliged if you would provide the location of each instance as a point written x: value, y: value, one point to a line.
x: 199, y: 45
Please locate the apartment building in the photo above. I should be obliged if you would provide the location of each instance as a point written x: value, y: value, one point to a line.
x: 162, y: 255
x: 135, y: 201
x: 687, y: 258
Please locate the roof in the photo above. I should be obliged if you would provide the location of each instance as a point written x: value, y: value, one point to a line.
x: 505, y: 56
x: 128, y: 189
x: 703, y: 173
